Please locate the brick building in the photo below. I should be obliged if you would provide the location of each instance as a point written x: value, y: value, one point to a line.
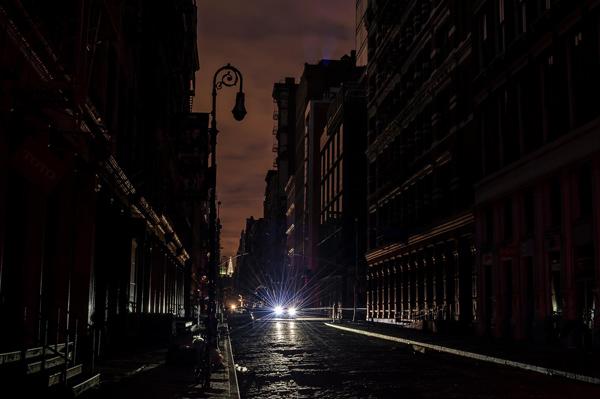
x: 537, y: 112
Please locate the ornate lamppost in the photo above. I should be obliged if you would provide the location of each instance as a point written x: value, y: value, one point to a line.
x: 226, y: 76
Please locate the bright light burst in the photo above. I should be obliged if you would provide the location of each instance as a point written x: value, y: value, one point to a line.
x: 287, y: 294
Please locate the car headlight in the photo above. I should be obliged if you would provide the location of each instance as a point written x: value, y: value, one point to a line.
x: 278, y: 310
x: 292, y: 311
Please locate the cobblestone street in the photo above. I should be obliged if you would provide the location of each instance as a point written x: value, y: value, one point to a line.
x: 305, y: 358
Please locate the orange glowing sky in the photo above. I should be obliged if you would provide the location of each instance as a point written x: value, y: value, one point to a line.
x: 267, y: 40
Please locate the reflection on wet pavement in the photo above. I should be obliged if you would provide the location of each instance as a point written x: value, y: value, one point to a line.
x: 306, y: 359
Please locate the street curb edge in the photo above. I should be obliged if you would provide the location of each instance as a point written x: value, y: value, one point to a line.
x: 476, y: 356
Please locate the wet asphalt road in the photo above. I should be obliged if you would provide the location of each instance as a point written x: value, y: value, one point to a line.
x: 307, y: 359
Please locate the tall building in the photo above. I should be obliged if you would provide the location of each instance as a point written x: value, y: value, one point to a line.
x: 261, y: 251
x: 284, y: 98
x: 273, y: 266
x: 274, y: 216
x: 91, y: 237
x: 311, y: 114
x: 537, y: 113
x: 361, y: 37
x: 342, y: 212
x: 190, y: 201
x: 250, y: 275
x: 420, y: 172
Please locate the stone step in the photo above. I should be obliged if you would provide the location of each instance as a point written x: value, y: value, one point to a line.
x: 56, y: 378
x: 86, y: 385
x: 32, y: 353
x: 36, y: 367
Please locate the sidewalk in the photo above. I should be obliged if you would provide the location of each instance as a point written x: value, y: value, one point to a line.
x: 146, y: 375
x: 223, y: 383
x: 541, y: 359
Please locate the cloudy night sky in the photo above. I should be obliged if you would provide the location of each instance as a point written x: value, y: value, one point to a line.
x: 267, y: 40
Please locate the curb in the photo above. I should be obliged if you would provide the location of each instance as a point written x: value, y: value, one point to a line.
x: 476, y: 356
x: 234, y: 389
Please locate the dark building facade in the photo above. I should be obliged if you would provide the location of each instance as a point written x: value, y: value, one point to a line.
x: 261, y: 251
x: 420, y: 174
x: 536, y: 85
x: 311, y: 112
x: 277, y: 206
x: 284, y: 99
x: 274, y: 216
x: 343, y: 197
x: 250, y: 277
x: 91, y: 236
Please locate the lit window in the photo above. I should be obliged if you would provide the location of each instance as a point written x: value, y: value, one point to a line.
x: 484, y: 33
x: 578, y: 39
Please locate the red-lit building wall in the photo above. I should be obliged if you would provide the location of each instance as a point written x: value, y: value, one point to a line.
x: 537, y: 111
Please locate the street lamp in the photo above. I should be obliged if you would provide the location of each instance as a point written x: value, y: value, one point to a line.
x: 355, y: 268
x: 226, y: 76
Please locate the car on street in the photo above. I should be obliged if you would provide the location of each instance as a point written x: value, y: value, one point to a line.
x: 289, y: 312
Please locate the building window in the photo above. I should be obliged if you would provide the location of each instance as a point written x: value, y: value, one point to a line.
x: 523, y: 16
x: 340, y: 138
x: 585, y: 192
x: 509, y: 131
x: 556, y: 94
x: 132, y: 276
x: 531, y: 109
x: 334, y: 150
x: 555, y: 203
x: 341, y: 174
x: 501, y: 26
x: 529, y: 213
x: 584, y: 77
x: 332, y: 187
x: 489, y: 226
x: 508, y: 221
x: 555, y: 283
x: 489, y: 129
x: 484, y: 29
